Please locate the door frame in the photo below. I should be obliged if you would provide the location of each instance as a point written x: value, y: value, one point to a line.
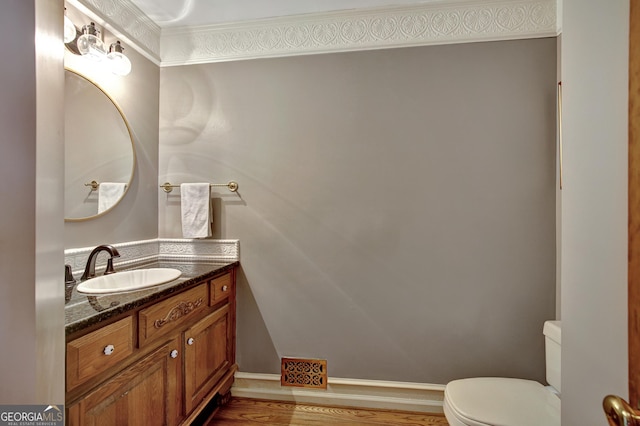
x: 634, y: 204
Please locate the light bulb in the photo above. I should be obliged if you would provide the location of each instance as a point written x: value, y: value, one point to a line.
x: 119, y: 63
x: 90, y: 45
x: 69, y: 30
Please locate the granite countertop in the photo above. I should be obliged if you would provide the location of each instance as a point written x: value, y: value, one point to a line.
x: 82, y: 311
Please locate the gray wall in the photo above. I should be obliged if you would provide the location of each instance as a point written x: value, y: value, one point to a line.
x: 136, y: 216
x: 31, y: 231
x: 595, y: 64
x: 396, y: 209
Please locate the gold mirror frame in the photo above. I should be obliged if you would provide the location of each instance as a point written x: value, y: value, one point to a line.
x: 86, y: 184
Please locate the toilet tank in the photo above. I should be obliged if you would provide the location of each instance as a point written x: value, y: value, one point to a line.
x: 553, y: 339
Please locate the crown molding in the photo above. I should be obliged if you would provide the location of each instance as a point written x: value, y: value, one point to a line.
x: 440, y: 22
x: 430, y: 23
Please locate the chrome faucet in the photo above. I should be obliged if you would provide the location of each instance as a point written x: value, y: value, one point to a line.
x: 90, y: 269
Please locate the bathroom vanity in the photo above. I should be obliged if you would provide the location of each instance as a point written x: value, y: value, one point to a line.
x: 164, y: 355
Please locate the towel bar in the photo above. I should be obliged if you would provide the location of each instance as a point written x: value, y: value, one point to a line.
x: 94, y: 185
x: 233, y: 186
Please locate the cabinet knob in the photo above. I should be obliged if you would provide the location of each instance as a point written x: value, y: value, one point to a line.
x: 108, y: 350
x: 190, y: 341
x: 174, y: 354
x: 225, y: 288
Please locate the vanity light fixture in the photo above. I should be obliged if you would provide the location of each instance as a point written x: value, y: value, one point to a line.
x: 91, y: 46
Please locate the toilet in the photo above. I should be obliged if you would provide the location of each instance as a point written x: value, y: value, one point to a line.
x: 496, y: 401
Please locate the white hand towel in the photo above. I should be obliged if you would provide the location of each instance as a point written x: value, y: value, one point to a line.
x: 195, y: 203
x: 108, y: 194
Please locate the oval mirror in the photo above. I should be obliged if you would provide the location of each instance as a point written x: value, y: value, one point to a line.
x: 98, y: 150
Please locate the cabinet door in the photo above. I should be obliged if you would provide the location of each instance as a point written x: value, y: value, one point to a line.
x: 207, y: 355
x: 146, y: 393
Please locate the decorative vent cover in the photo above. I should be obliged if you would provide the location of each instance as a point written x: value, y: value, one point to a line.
x: 304, y: 373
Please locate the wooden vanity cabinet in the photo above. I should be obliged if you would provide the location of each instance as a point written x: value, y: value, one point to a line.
x: 182, y: 360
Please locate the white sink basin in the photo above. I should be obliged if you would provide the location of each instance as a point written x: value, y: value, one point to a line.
x: 128, y: 280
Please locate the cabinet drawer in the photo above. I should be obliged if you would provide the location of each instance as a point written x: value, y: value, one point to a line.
x: 221, y: 288
x: 95, y: 352
x: 165, y: 316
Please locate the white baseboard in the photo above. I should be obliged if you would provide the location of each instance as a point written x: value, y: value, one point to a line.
x: 376, y: 394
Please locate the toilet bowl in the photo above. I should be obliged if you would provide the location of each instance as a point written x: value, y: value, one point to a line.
x: 497, y: 401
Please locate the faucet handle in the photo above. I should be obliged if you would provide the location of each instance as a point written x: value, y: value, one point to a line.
x: 68, y: 275
x: 69, y: 282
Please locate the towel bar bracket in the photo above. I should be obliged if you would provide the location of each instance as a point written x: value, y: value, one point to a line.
x: 93, y: 184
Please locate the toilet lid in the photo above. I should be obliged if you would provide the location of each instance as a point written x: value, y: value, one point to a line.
x: 502, y: 402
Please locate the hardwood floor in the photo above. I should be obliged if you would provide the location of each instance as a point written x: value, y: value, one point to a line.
x: 245, y: 411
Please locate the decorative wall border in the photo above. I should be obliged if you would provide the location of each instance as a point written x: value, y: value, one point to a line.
x: 376, y: 394
x: 430, y: 23
x: 440, y: 22
x: 194, y: 249
x: 170, y: 249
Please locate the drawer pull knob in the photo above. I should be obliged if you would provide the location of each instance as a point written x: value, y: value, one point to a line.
x: 225, y: 288
x: 190, y: 341
x: 174, y: 354
x: 108, y: 350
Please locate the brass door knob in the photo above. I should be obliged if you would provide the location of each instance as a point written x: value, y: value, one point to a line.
x: 619, y: 412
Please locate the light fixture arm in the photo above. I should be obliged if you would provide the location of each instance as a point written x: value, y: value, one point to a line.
x: 116, y: 47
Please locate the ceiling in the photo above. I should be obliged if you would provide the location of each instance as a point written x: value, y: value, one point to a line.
x: 180, y: 13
